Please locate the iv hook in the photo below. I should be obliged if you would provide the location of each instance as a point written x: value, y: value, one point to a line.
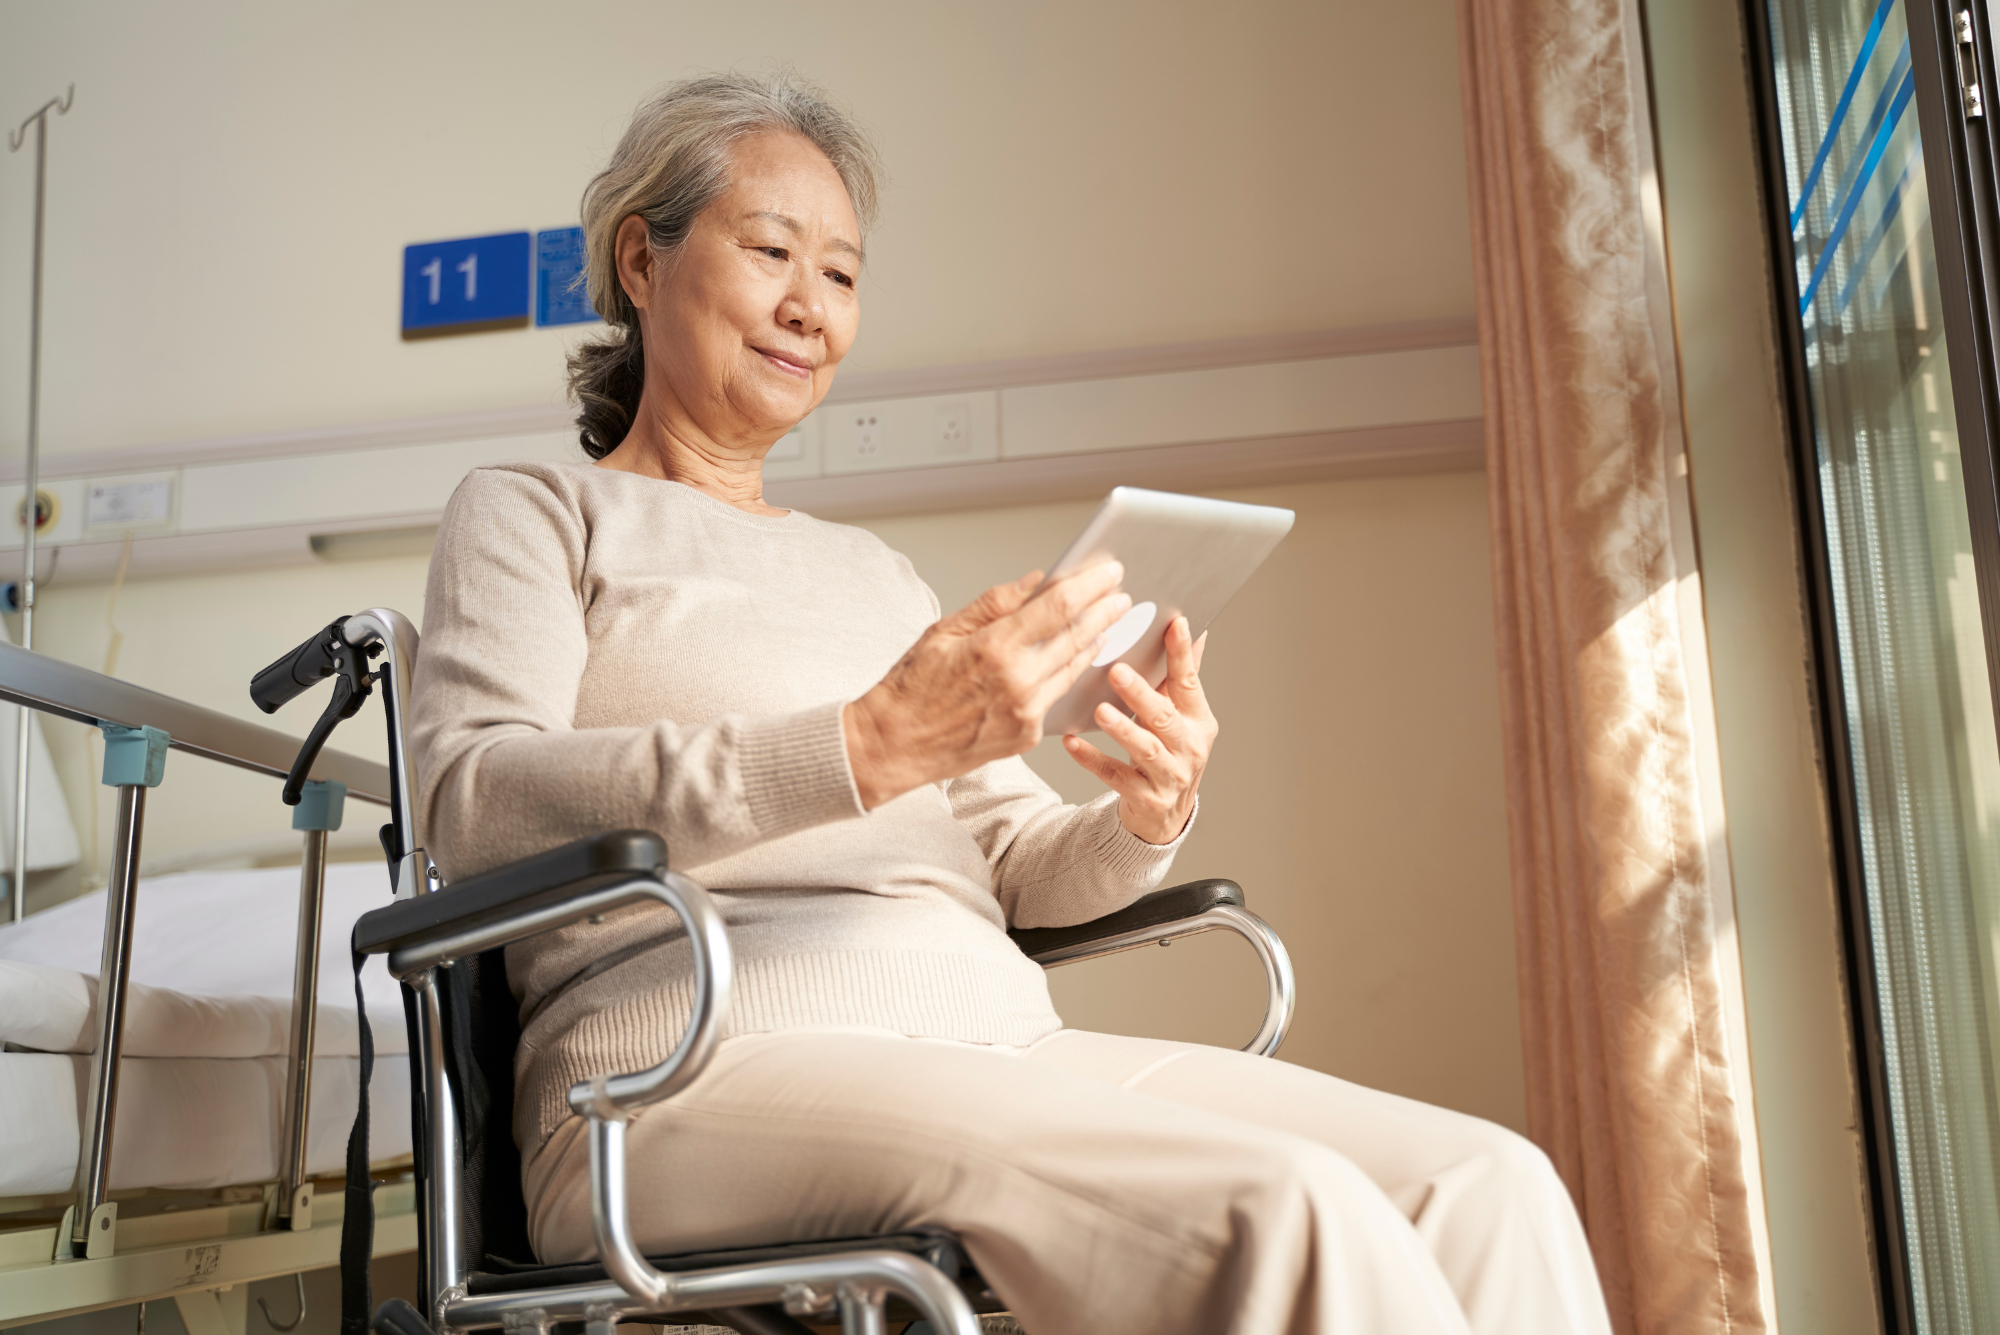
x: 61, y: 105
x: 271, y: 1318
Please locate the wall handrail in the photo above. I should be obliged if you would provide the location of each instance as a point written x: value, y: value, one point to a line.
x: 68, y: 691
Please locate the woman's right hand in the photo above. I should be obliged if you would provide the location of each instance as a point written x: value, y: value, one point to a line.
x: 975, y: 687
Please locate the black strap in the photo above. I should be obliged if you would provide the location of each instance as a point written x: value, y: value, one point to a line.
x: 419, y: 1143
x: 357, y: 1226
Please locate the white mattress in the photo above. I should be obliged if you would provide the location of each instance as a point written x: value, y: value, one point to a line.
x: 189, y: 1121
x: 212, y: 956
x: 202, y: 1094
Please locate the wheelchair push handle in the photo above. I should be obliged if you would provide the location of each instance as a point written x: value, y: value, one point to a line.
x: 300, y: 670
x: 331, y: 653
x: 345, y: 653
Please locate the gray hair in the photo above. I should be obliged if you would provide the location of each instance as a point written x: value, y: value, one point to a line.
x: 672, y: 163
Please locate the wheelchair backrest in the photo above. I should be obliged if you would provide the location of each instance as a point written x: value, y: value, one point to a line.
x: 482, y: 1030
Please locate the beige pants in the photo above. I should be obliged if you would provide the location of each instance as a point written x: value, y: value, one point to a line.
x: 1107, y: 1185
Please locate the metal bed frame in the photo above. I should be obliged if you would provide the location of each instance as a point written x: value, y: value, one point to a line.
x: 79, y: 1265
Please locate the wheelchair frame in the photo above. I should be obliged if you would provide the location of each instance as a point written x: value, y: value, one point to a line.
x: 424, y: 933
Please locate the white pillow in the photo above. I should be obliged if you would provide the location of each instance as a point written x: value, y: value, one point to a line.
x: 47, y: 1009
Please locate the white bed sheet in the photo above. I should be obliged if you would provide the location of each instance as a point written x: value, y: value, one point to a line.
x: 168, y: 1132
x: 202, y: 1089
x: 212, y: 959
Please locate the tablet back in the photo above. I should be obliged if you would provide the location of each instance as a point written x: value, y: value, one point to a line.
x: 1184, y: 556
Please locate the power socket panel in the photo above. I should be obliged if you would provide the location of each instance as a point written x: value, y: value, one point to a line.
x: 910, y: 433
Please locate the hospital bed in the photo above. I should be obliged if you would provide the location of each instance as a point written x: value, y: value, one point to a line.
x: 207, y: 1110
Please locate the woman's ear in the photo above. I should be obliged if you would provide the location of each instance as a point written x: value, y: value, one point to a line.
x: 635, y: 260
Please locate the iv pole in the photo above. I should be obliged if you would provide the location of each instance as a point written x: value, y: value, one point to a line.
x: 18, y: 887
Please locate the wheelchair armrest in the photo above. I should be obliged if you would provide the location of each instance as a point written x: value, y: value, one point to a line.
x: 1175, y: 904
x: 516, y: 890
x: 1168, y: 915
x: 537, y: 894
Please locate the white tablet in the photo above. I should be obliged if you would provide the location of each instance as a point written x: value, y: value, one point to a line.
x: 1184, y: 556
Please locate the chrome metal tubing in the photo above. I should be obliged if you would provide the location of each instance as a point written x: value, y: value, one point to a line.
x: 18, y: 889
x: 717, y: 1290
x: 447, y: 1264
x: 1282, y: 987
x: 611, y: 1217
x: 67, y: 691
x: 853, y: 1283
x: 399, y: 649
x: 1281, y: 997
x: 305, y: 1008
x: 17, y: 879
x: 714, y: 974
x: 861, y: 1310
x: 100, y: 1108
x: 616, y: 1097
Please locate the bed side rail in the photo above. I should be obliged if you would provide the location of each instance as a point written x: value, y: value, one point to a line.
x: 140, y: 726
x: 68, y: 691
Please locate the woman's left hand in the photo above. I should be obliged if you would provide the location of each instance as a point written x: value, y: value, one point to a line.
x: 1169, y: 736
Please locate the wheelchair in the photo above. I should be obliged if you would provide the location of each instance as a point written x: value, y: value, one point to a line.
x: 475, y: 1266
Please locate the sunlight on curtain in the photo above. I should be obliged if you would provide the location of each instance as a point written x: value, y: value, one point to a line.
x: 1628, y: 1067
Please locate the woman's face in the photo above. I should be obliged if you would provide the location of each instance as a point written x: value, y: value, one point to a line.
x: 746, y: 323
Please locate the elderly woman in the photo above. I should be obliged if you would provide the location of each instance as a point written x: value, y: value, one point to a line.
x: 641, y: 641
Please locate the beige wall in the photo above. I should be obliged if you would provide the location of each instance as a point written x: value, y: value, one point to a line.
x: 1355, y: 795
x: 231, y: 193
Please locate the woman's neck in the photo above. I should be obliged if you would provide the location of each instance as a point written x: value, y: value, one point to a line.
x: 673, y: 451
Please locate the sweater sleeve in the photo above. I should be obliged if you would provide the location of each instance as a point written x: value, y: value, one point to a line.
x: 1055, y: 864
x: 502, y: 770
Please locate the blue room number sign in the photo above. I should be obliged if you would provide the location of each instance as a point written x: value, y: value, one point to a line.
x: 560, y: 296
x: 477, y: 281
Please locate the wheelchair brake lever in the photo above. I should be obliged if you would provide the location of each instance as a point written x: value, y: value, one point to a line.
x: 352, y: 685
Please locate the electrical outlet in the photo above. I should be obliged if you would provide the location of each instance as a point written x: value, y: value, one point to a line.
x: 921, y: 432
x: 865, y: 437
x: 951, y: 429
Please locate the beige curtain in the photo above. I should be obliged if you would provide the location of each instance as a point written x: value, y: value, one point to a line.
x: 1628, y: 1069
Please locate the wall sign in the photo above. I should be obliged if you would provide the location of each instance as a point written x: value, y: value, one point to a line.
x: 478, y: 282
x: 560, y: 297
x: 138, y: 503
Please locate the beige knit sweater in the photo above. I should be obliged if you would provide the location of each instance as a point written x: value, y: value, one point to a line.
x: 606, y: 651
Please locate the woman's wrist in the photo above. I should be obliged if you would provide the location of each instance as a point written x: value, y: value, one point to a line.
x: 1157, y: 830
x: 878, y: 765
